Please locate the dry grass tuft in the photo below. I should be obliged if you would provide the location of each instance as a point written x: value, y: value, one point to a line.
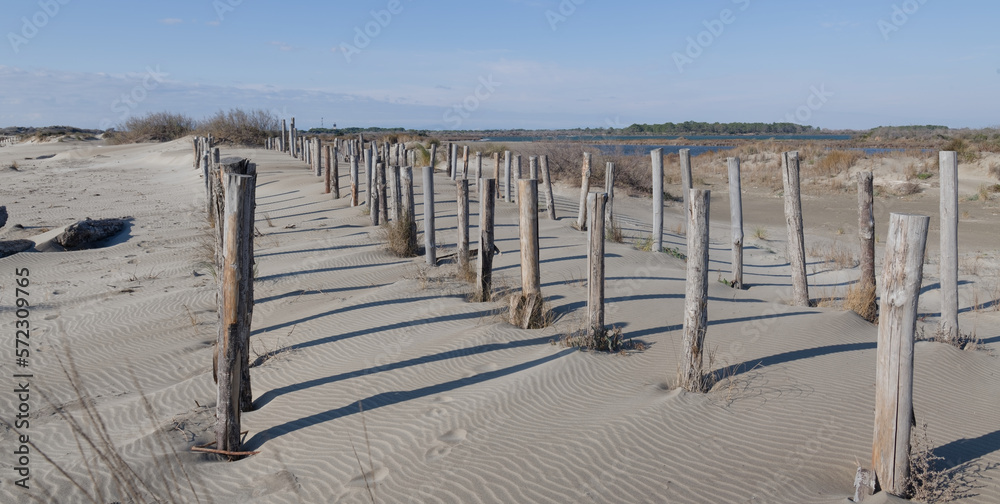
x: 836, y: 162
x: 613, y: 232
x: 526, y: 312
x: 399, y: 239
x: 611, y: 341
x: 860, y: 299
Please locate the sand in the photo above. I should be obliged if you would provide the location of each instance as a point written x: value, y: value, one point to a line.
x: 458, y: 405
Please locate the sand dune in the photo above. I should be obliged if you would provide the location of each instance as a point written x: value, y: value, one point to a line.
x: 458, y: 405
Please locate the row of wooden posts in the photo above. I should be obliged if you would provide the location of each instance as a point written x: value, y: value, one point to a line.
x: 7, y: 141
x: 902, y: 270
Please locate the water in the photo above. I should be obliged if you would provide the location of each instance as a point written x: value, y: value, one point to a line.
x: 611, y: 138
x: 644, y: 150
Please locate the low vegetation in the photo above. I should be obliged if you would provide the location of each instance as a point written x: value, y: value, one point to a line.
x: 151, y: 127
x: 234, y: 127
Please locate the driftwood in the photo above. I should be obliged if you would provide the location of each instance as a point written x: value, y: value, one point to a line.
x: 11, y: 247
x: 89, y: 231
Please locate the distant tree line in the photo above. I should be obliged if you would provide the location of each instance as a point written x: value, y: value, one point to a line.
x: 704, y: 128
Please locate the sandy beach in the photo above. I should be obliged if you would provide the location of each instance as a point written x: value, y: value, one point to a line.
x: 443, y: 400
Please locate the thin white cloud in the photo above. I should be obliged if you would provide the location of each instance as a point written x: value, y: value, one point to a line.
x: 281, y: 45
x: 171, y: 21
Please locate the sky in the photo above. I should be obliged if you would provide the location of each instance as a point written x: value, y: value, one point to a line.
x: 504, y: 64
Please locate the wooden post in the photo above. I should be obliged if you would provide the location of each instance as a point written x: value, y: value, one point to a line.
x: 317, y: 157
x: 793, y: 220
x: 354, y: 181
x: 409, y: 211
x: 484, y: 264
x: 531, y: 290
x: 327, y: 180
x: 292, y: 139
x: 465, y: 161
x: 692, y: 377
x: 429, y: 248
x: 595, y: 259
x: 736, y: 220
x: 479, y: 170
x: 686, y: 185
x: 518, y: 174
x: 506, y: 177
x: 581, y: 218
x: 383, y: 196
x: 533, y: 167
x: 448, y: 154
x: 901, y: 278
x: 236, y: 302
x: 454, y: 161
x: 283, y: 143
x: 949, y: 245
x: 866, y: 228
x: 550, y: 201
x: 396, y: 192
x: 335, y: 176
x: 207, y: 172
x: 197, y: 154
x: 609, y: 188
x: 463, y: 225
x: 657, y: 156
x: 496, y: 171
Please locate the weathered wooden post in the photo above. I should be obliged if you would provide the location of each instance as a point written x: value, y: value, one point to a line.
x: 686, y: 184
x: 793, y: 220
x: 284, y: 136
x: 396, y: 191
x: 496, y: 172
x: 866, y: 237
x: 506, y: 177
x: 354, y: 181
x: 657, y: 157
x: 409, y: 211
x: 317, y: 157
x: 533, y: 167
x: 901, y: 278
x: 465, y: 161
x: 197, y: 154
x: 235, y: 303
x: 292, y: 138
x: 736, y: 220
x: 581, y: 218
x: 335, y: 176
x: 454, y: 161
x: 529, y: 306
x: 609, y: 188
x: 484, y: 264
x: 383, y: 195
x: 479, y: 170
x: 595, y: 282
x: 949, y: 245
x: 429, y: 247
x: 463, y: 225
x: 207, y: 173
x: 692, y: 377
x: 550, y: 201
x: 328, y: 172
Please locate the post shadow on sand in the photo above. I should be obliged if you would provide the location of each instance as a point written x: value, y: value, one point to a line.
x: 390, y: 398
x: 268, y: 396
x: 678, y: 327
x: 794, y: 355
x: 962, y: 451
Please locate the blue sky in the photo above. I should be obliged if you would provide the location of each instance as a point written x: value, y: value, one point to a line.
x: 481, y: 64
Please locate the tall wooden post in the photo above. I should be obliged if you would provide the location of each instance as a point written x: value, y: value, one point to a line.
x: 236, y: 301
x: 196, y: 153
x: 354, y: 181
x: 736, y: 220
x: 550, y: 201
x: 454, y: 161
x: 686, y: 184
x: 317, y: 156
x: 396, y: 192
x: 496, y: 172
x: 609, y: 188
x: 533, y: 167
x: 901, y: 278
x: 595, y: 259
x: 506, y: 177
x: 531, y: 290
x: 465, y: 161
x: 657, y: 157
x: 692, y: 376
x: 292, y: 138
x: 409, y: 211
x: 866, y: 236
x: 479, y: 170
x: 208, y: 173
x: 429, y: 247
x: 463, y: 224
x: 484, y: 264
x: 517, y: 175
x: 793, y: 220
x: 383, y: 196
x: 328, y: 169
x: 581, y: 218
x: 949, y: 245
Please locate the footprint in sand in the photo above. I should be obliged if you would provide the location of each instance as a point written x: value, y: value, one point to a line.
x: 452, y: 437
x: 437, y: 452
